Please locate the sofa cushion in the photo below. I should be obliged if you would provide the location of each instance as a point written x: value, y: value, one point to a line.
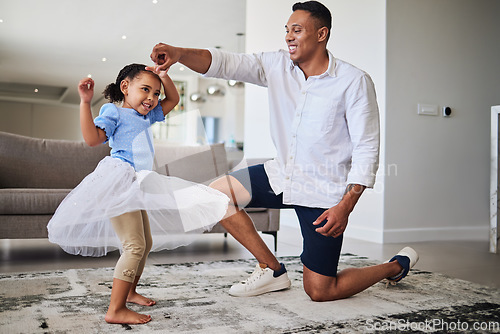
x: 27, y: 162
x: 23, y: 226
x: 200, y: 164
x: 30, y: 201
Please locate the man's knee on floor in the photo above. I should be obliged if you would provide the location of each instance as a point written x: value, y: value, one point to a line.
x: 315, y: 294
x: 321, y: 292
x: 318, y: 295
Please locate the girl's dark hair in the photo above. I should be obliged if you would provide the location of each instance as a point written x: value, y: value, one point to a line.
x: 113, y: 92
x: 318, y: 11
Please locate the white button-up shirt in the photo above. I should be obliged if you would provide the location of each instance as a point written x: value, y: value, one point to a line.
x: 325, y: 128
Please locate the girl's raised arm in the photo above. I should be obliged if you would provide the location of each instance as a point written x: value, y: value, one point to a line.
x: 172, y: 96
x: 93, y: 136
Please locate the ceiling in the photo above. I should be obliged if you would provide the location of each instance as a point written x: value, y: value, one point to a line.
x: 49, y: 45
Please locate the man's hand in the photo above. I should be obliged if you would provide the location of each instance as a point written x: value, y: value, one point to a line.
x: 164, y: 56
x: 337, y: 216
x: 336, y: 221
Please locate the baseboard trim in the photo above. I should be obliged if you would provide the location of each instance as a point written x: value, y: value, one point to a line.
x: 478, y: 233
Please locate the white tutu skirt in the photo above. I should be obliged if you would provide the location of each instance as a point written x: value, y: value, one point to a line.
x: 176, y: 208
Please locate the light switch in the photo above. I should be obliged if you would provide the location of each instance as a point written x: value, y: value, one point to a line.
x: 427, y: 109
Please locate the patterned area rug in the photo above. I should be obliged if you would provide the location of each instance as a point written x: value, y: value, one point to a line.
x: 192, y: 298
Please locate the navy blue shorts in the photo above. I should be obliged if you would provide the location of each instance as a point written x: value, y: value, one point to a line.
x: 319, y: 253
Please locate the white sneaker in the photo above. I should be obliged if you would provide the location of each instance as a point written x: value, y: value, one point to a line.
x: 259, y: 282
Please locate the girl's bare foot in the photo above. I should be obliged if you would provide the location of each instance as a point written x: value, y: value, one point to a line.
x: 134, y: 297
x: 126, y: 316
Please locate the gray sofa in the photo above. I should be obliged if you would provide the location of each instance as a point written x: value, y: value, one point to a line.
x: 36, y: 174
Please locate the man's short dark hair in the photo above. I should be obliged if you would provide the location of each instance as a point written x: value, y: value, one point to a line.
x: 317, y: 11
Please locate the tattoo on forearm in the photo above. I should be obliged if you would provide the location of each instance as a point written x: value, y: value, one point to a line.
x: 351, y: 187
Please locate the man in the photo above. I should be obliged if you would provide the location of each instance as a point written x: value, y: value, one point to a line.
x: 324, y: 123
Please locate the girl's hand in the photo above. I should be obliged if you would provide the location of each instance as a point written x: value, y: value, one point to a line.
x: 162, y: 73
x: 86, y: 90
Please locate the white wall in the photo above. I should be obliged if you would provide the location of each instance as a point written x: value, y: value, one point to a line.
x: 265, y: 23
x: 359, y: 37
x: 47, y: 121
x: 443, y: 52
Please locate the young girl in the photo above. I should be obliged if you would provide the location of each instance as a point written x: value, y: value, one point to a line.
x: 123, y: 204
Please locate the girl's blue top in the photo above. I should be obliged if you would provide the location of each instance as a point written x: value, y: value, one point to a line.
x: 129, y: 133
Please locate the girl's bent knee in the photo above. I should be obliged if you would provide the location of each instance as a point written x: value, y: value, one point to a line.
x: 134, y: 250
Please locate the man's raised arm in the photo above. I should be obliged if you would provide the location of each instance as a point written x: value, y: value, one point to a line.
x: 164, y: 56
